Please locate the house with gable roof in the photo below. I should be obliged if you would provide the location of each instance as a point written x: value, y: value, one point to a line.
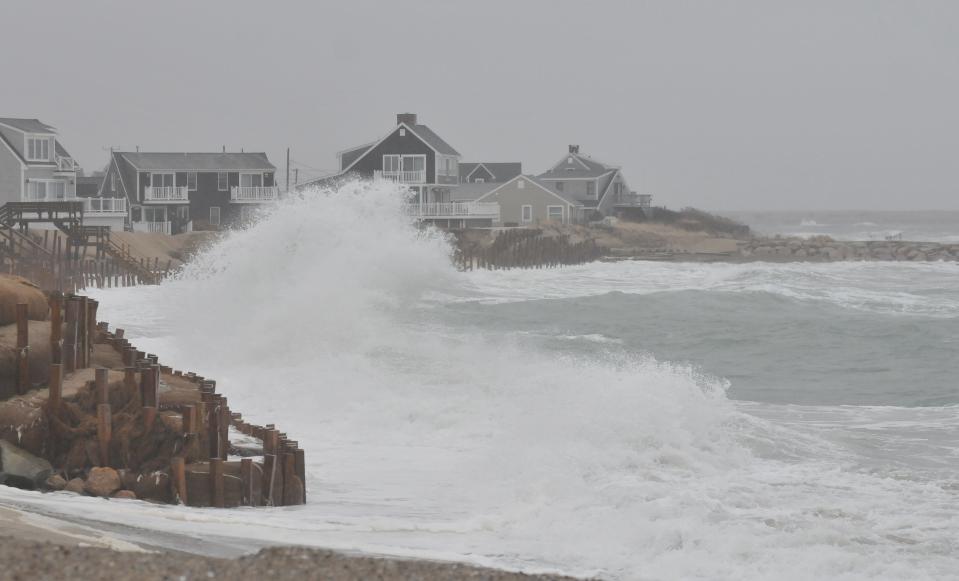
x: 600, y: 187
x: 35, y: 167
x: 525, y: 200
x: 415, y: 156
x: 171, y: 192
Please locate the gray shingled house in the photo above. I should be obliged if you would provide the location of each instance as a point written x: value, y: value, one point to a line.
x: 412, y: 154
x: 486, y: 172
x: 170, y: 193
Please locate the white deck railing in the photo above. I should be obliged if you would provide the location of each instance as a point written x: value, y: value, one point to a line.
x: 105, y: 205
x: 29, y: 196
x: 403, y: 177
x: 253, y: 193
x: 166, y: 194
x: 454, y: 210
x: 152, y: 227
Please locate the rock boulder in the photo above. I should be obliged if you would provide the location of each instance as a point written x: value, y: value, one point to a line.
x: 102, y: 482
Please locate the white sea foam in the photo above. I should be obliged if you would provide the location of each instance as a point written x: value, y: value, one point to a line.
x: 426, y: 440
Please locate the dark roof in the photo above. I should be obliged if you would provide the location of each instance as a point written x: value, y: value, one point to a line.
x: 198, y: 161
x: 434, y: 140
x: 27, y: 125
x: 88, y: 185
x: 501, y: 171
x: 350, y: 155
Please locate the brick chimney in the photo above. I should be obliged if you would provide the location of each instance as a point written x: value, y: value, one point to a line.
x: 408, y: 118
x: 574, y: 149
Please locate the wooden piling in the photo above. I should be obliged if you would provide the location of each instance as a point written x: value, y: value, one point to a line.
x: 217, y: 484
x: 300, y: 465
x: 104, y: 432
x: 56, y: 386
x: 178, y: 476
x: 269, y: 477
x: 101, y: 378
x: 149, y: 417
x: 23, y: 348
x: 246, y: 479
x: 56, y: 327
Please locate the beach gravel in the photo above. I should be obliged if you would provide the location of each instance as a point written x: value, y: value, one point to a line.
x: 35, y: 561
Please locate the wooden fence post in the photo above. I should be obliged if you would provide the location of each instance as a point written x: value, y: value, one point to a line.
x: 23, y: 348
x: 178, y: 473
x: 104, y: 432
x: 246, y: 479
x: 217, y: 489
x: 56, y: 328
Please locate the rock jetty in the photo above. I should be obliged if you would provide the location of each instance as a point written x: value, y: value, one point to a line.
x: 825, y: 249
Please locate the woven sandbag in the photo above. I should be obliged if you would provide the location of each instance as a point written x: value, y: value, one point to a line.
x: 14, y: 290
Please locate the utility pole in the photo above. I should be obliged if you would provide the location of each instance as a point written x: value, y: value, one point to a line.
x: 288, y: 170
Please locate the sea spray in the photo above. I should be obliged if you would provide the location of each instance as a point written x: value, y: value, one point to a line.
x: 432, y: 432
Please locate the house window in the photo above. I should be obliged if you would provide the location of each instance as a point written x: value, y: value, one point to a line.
x: 222, y: 183
x: 520, y: 184
x: 113, y: 182
x: 402, y: 132
x: 151, y: 214
x: 214, y: 215
x: 46, y: 190
x: 590, y: 189
x: 405, y: 168
x: 559, y: 186
x: 38, y: 149
x: 191, y: 181
x: 554, y: 213
x: 251, y: 180
x: 479, y: 181
x: 527, y: 214
x: 569, y: 160
x: 161, y: 180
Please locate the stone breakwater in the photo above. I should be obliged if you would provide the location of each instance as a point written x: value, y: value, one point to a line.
x: 827, y: 250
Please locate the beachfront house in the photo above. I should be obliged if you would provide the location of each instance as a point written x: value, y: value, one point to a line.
x: 414, y: 155
x: 36, y: 167
x: 600, y: 188
x: 171, y: 193
x: 524, y: 200
x: 487, y: 172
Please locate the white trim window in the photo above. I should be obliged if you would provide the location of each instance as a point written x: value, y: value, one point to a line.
x: 526, y: 215
x: 41, y: 190
x: 520, y: 184
x: 555, y: 214
x: 222, y: 181
x: 191, y: 181
x: 38, y: 148
x: 113, y: 182
x: 251, y: 180
x: 162, y: 180
x: 214, y: 215
x: 479, y: 181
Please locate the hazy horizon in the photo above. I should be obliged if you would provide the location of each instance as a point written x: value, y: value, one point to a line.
x: 738, y: 106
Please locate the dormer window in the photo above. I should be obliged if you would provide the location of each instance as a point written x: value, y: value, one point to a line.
x: 38, y: 148
x: 402, y: 132
x: 569, y: 160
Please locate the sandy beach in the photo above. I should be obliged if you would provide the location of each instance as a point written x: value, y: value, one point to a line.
x: 37, y: 547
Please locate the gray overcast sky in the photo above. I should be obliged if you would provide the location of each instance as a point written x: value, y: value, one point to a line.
x: 721, y: 105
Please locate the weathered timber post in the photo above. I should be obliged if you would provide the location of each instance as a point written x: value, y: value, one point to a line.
x: 56, y: 328
x: 149, y: 417
x: 104, y: 432
x: 246, y: 479
x: 23, y: 348
x: 300, y: 465
x: 217, y: 488
x: 56, y: 386
x: 70, y: 341
x: 178, y: 476
x: 269, y: 478
x: 101, y: 378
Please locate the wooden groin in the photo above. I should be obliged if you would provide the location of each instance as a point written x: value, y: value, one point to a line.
x: 525, y: 248
x: 112, y: 421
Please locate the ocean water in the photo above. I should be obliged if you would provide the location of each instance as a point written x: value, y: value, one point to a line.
x: 918, y: 225
x: 628, y: 420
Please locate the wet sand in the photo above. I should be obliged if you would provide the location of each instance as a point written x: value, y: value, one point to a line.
x: 37, y: 547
